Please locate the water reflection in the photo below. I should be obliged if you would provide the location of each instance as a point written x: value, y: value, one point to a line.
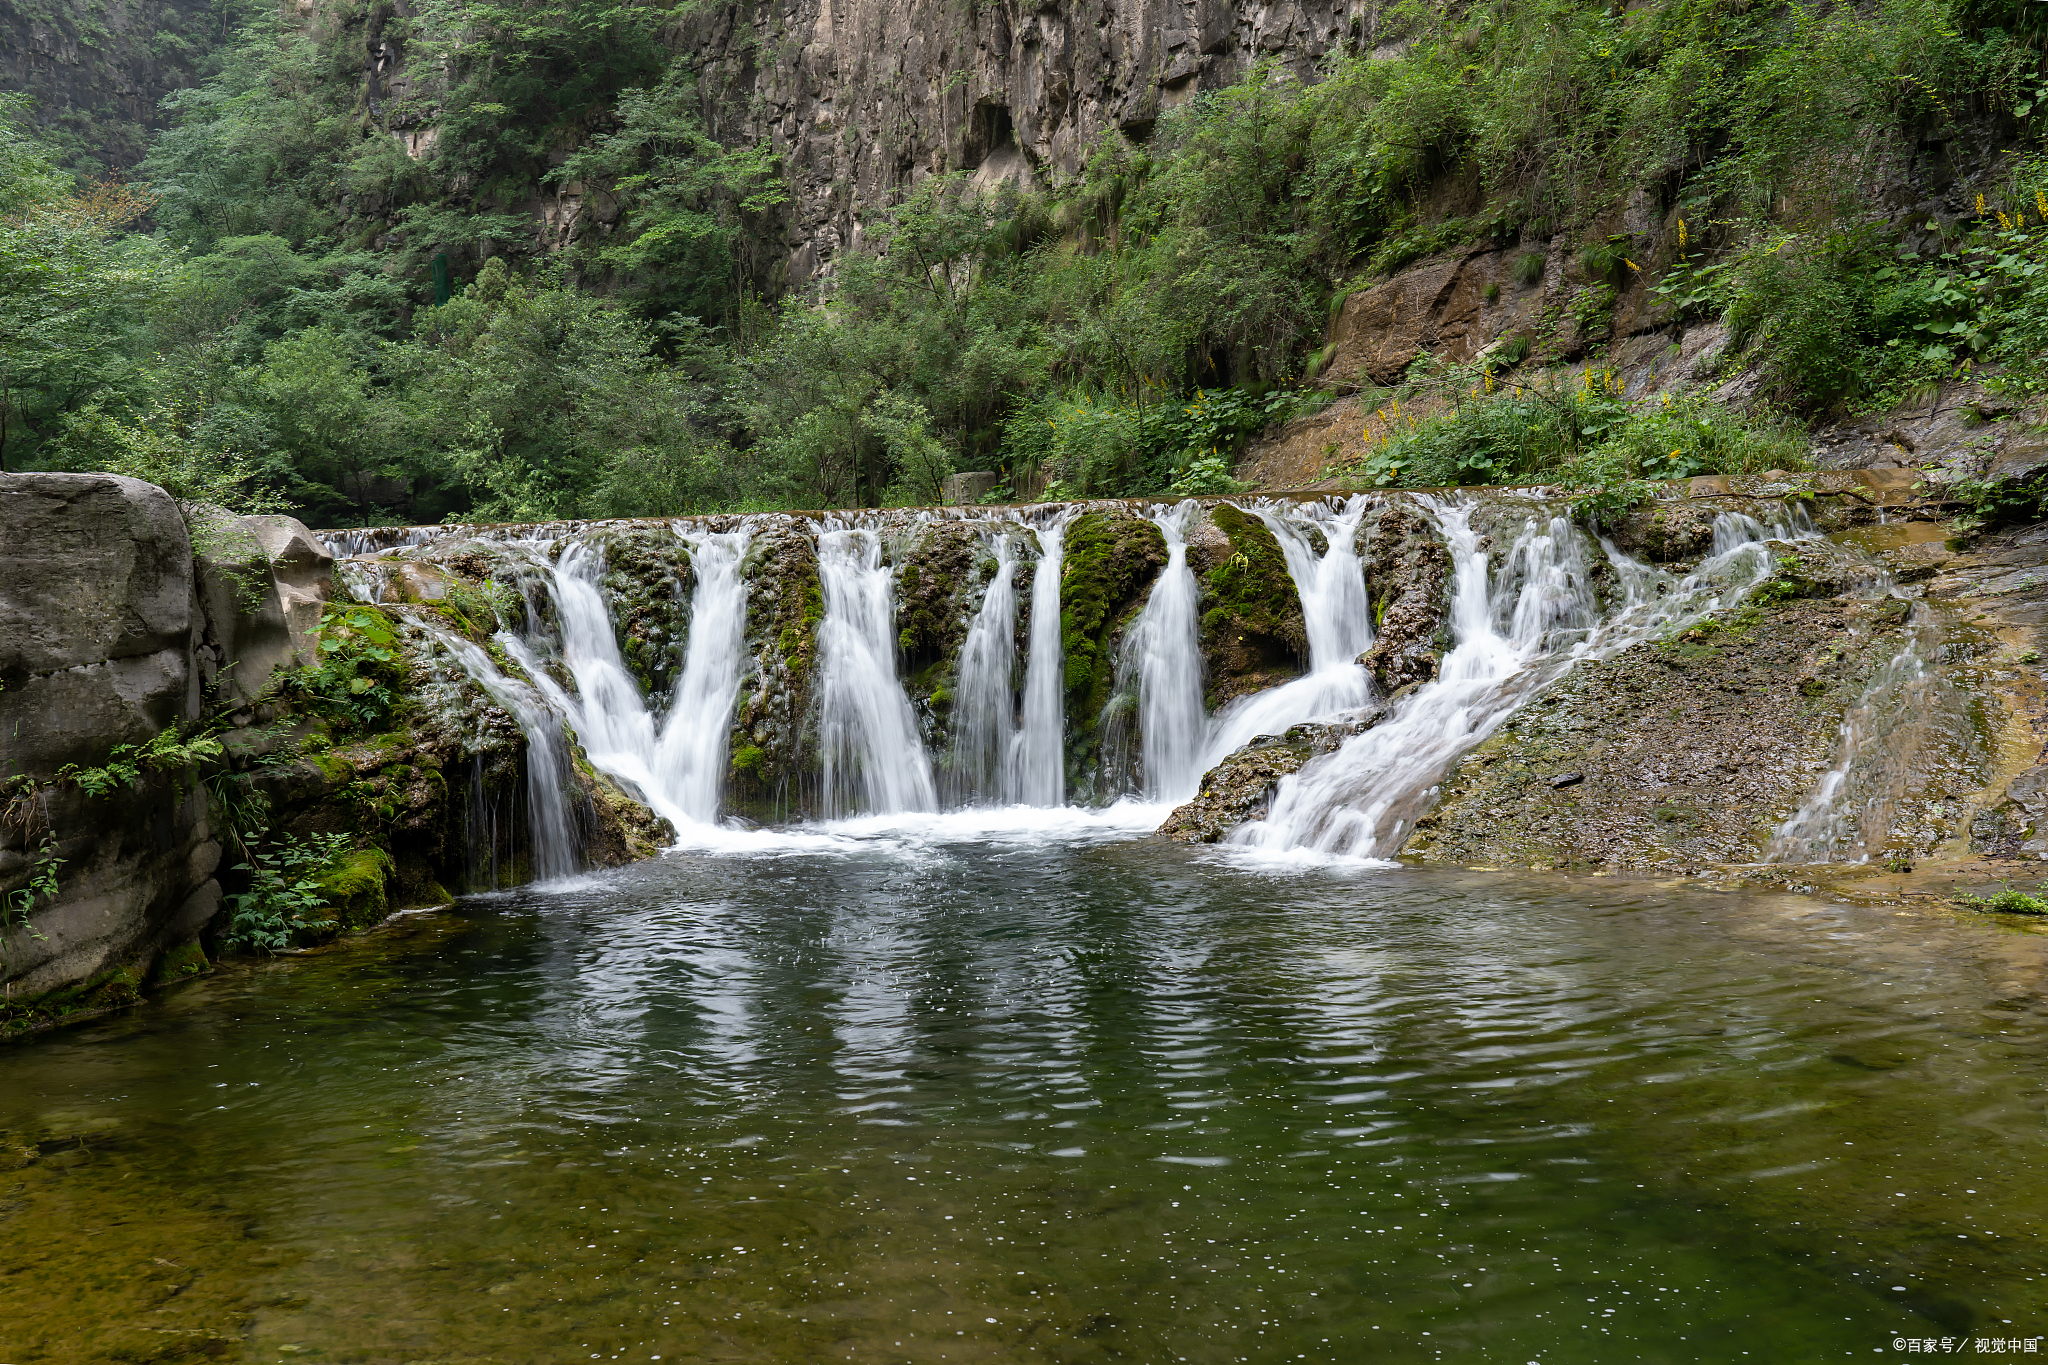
x: 1035, y: 1098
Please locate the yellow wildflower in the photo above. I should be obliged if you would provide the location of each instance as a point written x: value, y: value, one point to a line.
x: 1681, y: 234
x: 1980, y: 206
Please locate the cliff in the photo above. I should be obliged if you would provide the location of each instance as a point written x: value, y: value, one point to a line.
x: 865, y: 99
x: 96, y: 74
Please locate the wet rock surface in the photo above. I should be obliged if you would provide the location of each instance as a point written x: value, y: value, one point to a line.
x: 1407, y: 573
x: 1690, y: 751
x: 1240, y: 788
x: 1253, y: 635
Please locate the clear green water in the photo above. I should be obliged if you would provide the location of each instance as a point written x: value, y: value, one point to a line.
x: 988, y: 1101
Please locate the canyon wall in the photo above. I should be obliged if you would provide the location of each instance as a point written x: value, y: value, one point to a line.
x: 866, y: 97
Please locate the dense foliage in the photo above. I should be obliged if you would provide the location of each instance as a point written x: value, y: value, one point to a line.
x: 336, y: 296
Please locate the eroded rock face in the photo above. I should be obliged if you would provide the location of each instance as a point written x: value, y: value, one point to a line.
x: 1407, y: 570
x: 862, y: 101
x: 303, y: 569
x: 99, y: 621
x: 244, y: 634
x: 97, y: 618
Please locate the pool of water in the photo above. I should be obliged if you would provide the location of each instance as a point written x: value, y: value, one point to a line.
x: 1061, y: 1094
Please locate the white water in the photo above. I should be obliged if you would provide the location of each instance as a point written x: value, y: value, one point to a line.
x: 1039, y: 749
x: 984, y: 701
x: 1514, y: 631
x: 1164, y: 651
x: 1332, y: 585
x: 872, y: 755
x: 689, y: 759
x: 555, y: 848
x: 1338, y: 615
x: 611, y: 717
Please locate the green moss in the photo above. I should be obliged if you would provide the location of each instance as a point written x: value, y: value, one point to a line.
x: 1250, y: 590
x: 186, y: 960
x: 106, y: 991
x: 1111, y: 559
x: 332, y: 766
x: 354, y: 887
x: 747, y: 758
x: 1251, y: 614
x: 797, y: 637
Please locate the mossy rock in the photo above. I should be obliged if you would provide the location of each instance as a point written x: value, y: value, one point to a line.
x: 355, y: 888
x: 181, y: 963
x: 647, y: 581
x: 102, y: 993
x: 1253, y: 634
x: 785, y: 604
x: 1112, y: 558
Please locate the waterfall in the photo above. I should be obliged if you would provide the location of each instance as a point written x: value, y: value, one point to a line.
x: 1039, y: 750
x: 1338, y: 617
x: 610, y: 715
x: 555, y: 849
x: 868, y: 740
x: 984, y: 702
x: 1164, y: 651
x: 1514, y: 632
x: 689, y: 760
x: 1331, y: 587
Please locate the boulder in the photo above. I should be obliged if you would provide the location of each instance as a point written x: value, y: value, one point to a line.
x: 100, y: 621
x: 243, y: 637
x: 97, y: 619
x: 303, y: 567
x: 1240, y: 788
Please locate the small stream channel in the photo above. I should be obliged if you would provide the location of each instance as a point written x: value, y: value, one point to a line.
x: 932, y: 1089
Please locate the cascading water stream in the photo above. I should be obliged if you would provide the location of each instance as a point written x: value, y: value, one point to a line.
x: 1163, y: 650
x: 1514, y: 632
x: 1331, y: 585
x: 689, y: 759
x: 1338, y: 616
x: 1038, y: 753
x: 872, y: 755
x: 610, y: 716
x: 556, y: 852
x: 984, y: 702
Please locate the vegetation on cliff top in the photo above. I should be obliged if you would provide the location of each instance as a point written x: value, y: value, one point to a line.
x: 347, y: 304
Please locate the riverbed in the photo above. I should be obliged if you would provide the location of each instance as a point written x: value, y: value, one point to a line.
x: 1041, y: 1087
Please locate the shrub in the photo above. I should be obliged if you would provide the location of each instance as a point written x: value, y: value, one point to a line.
x: 283, y: 899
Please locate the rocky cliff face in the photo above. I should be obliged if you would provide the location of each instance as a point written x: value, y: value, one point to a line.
x: 866, y: 97
x: 97, y: 73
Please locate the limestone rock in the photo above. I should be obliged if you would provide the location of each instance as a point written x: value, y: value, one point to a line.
x: 244, y: 636
x: 303, y: 567
x: 1408, y: 571
x: 97, y: 618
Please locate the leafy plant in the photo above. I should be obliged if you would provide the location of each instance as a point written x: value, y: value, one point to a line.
x: 162, y: 752
x: 283, y: 898
x: 2007, y: 901
x: 359, y: 667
